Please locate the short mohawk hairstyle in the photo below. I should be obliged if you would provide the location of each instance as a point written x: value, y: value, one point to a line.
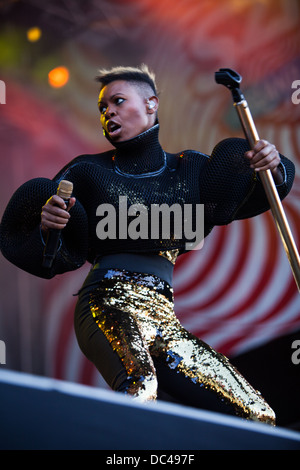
x: 129, y: 74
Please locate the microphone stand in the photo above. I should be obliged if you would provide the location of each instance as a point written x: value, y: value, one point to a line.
x: 232, y: 80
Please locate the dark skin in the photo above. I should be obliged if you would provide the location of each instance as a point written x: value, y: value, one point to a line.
x: 123, y: 103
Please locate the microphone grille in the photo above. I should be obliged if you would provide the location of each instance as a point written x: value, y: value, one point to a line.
x: 65, y: 189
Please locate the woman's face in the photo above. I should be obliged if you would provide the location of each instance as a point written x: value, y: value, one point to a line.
x: 125, y: 113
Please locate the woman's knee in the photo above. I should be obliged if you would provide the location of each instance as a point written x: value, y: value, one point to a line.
x: 142, y: 388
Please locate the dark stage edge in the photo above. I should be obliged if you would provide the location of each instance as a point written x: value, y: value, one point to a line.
x: 40, y: 413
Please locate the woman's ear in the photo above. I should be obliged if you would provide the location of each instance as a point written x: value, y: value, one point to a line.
x: 152, y: 104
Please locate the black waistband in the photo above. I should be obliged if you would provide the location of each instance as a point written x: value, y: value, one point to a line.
x: 138, y: 263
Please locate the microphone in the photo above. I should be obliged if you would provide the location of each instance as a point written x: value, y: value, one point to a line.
x: 64, y: 191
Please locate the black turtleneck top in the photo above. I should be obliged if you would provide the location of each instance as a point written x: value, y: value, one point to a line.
x: 140, y: 156
x: 140, y: 172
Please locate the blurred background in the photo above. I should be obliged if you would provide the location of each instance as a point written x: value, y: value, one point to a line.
x: 237, y: 293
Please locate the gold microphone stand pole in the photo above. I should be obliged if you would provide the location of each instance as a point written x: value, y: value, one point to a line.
x: 232, y: 80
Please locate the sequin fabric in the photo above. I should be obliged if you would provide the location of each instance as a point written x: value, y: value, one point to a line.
x: 170, y: 255
x: 136, y: 314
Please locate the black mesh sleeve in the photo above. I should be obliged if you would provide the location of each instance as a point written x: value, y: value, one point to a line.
x: 230, y: 189
x: 21, y: 241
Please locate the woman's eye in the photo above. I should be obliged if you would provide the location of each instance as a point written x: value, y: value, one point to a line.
x: 103, y: 107
x: 119, y: 100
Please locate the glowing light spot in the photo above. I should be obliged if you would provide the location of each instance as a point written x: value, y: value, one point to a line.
x: 34, y: 34
x: 58, y: 77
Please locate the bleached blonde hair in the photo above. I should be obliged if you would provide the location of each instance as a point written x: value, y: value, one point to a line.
x: 138, y: 75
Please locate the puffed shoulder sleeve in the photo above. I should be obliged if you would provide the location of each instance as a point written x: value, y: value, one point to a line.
x: 231, y: 190
x: 21, y: 241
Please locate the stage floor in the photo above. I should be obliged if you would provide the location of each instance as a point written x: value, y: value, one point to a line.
x: 42, y: 413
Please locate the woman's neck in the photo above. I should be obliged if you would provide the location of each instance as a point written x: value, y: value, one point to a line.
x: 140, y: 156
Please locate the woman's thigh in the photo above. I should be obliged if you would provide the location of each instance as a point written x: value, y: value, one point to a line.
x: 112, y: 341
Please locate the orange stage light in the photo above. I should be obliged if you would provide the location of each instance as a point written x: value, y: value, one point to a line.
x: 58, y: 77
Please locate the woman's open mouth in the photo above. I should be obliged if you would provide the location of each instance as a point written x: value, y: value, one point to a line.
x: 113, y: 128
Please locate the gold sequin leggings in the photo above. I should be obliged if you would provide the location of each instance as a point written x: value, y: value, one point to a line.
x: 125, y: 324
